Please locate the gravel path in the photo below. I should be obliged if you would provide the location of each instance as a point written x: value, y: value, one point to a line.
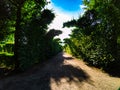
x: 63, y: 72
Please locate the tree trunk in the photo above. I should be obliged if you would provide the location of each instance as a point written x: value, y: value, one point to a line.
x: 17, y: 37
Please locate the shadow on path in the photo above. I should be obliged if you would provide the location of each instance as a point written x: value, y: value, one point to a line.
x: 55, y: 69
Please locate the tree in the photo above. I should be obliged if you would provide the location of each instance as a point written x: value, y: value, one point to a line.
x: 96, y: 32
x: 4, y: 19
x: 109, y: 12
x: 19, y: 5
x: 28, y: 21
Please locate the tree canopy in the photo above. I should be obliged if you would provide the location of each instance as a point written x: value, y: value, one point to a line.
x: 26, y: 22
x: 96, y: 33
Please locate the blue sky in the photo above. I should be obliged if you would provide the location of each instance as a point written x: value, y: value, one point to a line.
x: 68, y: 5
x: 64, y: 10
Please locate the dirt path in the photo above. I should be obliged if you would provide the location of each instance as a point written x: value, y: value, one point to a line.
x: 63, y: 72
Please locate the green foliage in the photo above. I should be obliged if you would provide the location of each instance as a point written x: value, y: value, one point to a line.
x: 7, y: 47
x: 26, y: 22
x: 5, y: 24
x: 6, y: 60
x: 96, y: 33
x: 37, y: 44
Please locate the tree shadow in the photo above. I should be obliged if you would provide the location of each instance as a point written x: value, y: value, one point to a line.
x: 61, y: 72
x: 114, y: 69
x: 68, y: 58
x: 55, y: 71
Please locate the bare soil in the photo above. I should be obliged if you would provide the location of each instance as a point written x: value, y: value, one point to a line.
x: 63, y: 72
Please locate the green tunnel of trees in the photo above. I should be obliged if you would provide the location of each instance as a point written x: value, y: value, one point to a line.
x: 25, y: 39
